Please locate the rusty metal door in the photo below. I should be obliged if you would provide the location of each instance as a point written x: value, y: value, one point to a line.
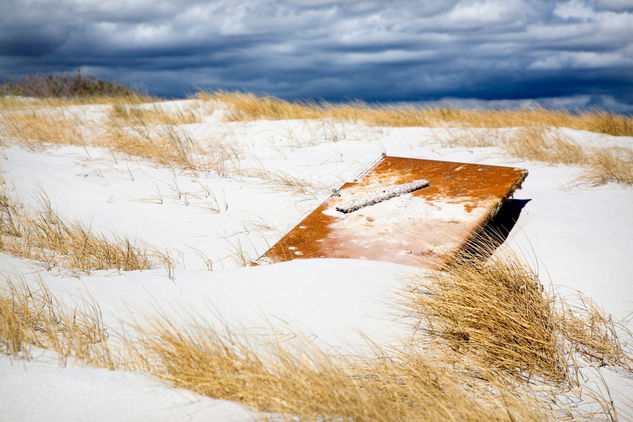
x: 403, y: 210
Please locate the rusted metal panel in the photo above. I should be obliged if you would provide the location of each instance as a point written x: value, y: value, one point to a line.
x: 423, y: 227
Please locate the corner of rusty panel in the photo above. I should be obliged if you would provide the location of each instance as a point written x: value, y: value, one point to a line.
x: 370, y: 166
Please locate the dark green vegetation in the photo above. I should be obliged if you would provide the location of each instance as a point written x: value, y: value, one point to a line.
x: 64, y: 85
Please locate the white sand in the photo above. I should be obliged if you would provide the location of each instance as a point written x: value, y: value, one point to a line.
x: 578, y: 236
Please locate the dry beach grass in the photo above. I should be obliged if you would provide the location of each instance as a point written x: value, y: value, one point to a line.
x: 498, y: 310
x: 43, y: 236
x: 247, y: 106
x: 156, y: 134
x: 29, y: 103
x: 132, y: 115
x: 601, y: 164
x: 307, y: 382
x: 492, y: 344
x: 34, y: 128
x: 169, y: 146
x: 304, y: 382
x: 534, y: 139
x: 34, y: 318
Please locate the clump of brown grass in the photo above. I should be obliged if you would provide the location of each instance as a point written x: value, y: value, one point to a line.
x: 137, y: 116
x: 610, y: 165
x: 492, y: 306
x: 131, y: 134
x: 495, y: 310
x: 28, y: 103
x: 594, y: 334
x: 314, y: 385
x: 293, y: 183
x: 539, y: 144
x: 34, y: 318
x: 303, y: 382
x: 129, y: 130
x: 604, y: 122
x: 45, y: 237
x: 247, y: 106
x: 168, y: 146
x: 602, y: 164
x: 34, y: 128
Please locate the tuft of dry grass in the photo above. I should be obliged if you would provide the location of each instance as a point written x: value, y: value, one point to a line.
x: 539, y: 144
x: 247, y: 106
x: 167, y: 146
x: 492, y: 306
x: 151, y: 134
x: 602, y: 164
x: 45, y: 237
x: 306, y: 382
x: 154, y: 134
x: 594, y: 334
x: 34, y: 128
x: 496, y: 310
x: 34, y: 318
x: 137, y: 116
x: 610, y: 165
x: 28, y: 103
x: 301, y: 381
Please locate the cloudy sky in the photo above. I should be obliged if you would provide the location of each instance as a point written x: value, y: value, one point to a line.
x: 496, y: 52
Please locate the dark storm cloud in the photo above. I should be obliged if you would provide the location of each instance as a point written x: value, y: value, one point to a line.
x: 374, y: 50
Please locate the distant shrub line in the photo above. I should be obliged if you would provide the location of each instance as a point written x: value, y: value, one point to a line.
x: 64, y: 85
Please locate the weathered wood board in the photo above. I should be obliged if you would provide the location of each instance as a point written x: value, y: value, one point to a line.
x: 421, y: 228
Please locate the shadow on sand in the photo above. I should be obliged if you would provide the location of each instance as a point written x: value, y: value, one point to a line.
x: 496, y: 231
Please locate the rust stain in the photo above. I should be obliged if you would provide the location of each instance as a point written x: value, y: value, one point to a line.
x: 424, y: 228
